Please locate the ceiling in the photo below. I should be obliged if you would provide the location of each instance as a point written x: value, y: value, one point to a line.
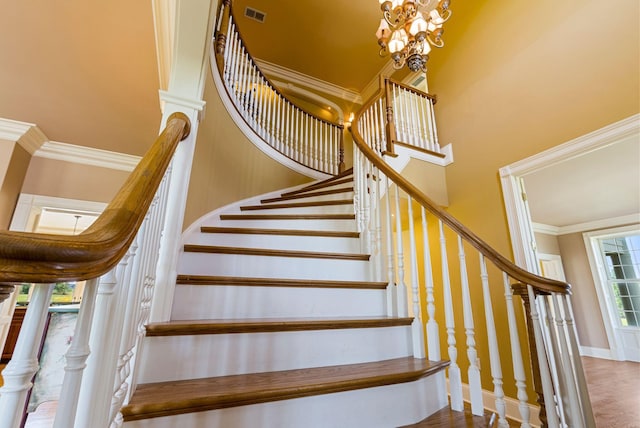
x: 601, y: 184
x: 74, y: 67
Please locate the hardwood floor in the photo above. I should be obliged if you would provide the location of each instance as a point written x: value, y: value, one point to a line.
x: 614, y: 389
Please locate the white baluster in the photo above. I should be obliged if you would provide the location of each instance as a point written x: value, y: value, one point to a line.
x: 581, y: 382
x: 416, y: 325
x: 424, y: 130
x: 392, y: 297
x: 554, y: 357
x: 547, y: 385
x: 436, y: 144
x: 574, y: 414
x: 494, y: 351
x: 516, y: 354
x: 24, y: 361
x: 433, y: 335
x: 455, y: 379
x: 413, y: 108
x: 379, y: 273
x: 403, y: 303
x: 429, y: 116
x: 96, y: 389
x: 76, y: 357
x: 473, y: 373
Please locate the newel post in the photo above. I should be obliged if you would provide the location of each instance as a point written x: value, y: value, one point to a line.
x: 521, y: 290
x: 390, y: 127
x: 221, y: 34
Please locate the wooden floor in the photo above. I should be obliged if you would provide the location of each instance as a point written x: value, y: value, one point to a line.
x: 614, y: 387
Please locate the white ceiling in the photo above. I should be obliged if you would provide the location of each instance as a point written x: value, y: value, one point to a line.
x: 601, y: 184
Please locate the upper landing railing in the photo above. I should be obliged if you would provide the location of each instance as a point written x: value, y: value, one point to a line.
x: 297, y: 134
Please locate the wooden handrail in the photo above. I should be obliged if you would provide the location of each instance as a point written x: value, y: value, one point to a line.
x: 45, y: 258
x: 538, y: 282
x: 432, y: 97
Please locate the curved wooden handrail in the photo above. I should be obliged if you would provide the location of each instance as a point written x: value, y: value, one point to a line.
x: 539, y: 283
x: 45, y: 258
x: 432, y: 97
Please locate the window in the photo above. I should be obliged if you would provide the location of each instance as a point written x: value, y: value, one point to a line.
x: 621, y: 256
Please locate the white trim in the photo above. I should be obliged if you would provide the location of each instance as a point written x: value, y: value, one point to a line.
x: 27, y: 135
x: 277, y: 71
x: 583, y: 227
x: 546, y: 229
x: 164, y: 12
x: 588, y: 351
x: 252, y: 136
x: 606, y: 306
x: 512, y: 410
x: 317, y: 99
x: 517, y: 212
x: 595, y: 140
x: 87, y: 156
x: 189, y: 103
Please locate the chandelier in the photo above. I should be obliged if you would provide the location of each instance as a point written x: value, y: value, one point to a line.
x: 409, y: 28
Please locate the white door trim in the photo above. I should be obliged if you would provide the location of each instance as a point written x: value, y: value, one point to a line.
x: 518, y: 218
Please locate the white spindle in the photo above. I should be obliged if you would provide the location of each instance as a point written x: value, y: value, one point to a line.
x: 581, y: 382
x: 76, y: 358
x: 416, y: 325
x: 431, y: 132
x: 436, y: 144
x: 574, y: 414
x: 545, y: 375
x: 433, y: 335
x: 516, y: 354
x: 473, y: 373
x: 24, y: 361
x: 413, y: 109
x: 403, y: 309
x: 392, y: 297
x: 455, y: 379
x: 494, y: 351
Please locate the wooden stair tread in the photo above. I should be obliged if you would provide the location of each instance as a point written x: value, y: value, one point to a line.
x: 186, y: 396
x: 308, y: 195
x: 296, y: 205
x: 276, y: 282
x: 287, y: 217
x: 289, y: 232
x: 213, y: 249
x: 269, y: 325
x: 320, y: 185
x: 447, y: 418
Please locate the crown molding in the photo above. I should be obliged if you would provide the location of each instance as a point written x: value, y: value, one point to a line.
x: 610, y: 134
x: 374, y: 84
x: 548, y: 229
x: 279, y: 72
x: 27, y: 135
x: 87, y: 156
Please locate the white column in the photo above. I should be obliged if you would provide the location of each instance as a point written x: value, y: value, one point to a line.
x: 24, y: 362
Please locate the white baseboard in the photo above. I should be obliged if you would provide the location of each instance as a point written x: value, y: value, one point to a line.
x: 512, y: 405
x: 588, y: 351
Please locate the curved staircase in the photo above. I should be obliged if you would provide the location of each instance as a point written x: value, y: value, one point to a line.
x: 276, y: 323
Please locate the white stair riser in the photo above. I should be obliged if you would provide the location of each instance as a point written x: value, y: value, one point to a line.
x: 200, y: 356
x: 301, y: 224
x: 395, y: 405
x: 273, y: 267
x: 326, y: 187
x: 319, y: 198
x: 229, y: 302
x: 315, y: 209
x: 279, y: 242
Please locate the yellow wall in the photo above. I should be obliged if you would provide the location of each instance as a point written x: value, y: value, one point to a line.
x: 514, y: 79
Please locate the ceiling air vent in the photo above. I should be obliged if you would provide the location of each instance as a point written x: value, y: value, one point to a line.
x: 418, y: 81
x: 254, y: 14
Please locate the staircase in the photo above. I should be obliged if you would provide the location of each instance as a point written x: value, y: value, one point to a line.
x: 276, y: 323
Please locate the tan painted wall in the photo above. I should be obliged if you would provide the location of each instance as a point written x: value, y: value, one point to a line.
x: 11, y: 180
x: 588, y: 316
x: 515, y: 80
x: 227, y: 167
x: 547, y: 244
x: 71, y: 180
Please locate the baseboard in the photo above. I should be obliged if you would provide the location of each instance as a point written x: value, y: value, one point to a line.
x: 512, y: 405
x: 588, y: 351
